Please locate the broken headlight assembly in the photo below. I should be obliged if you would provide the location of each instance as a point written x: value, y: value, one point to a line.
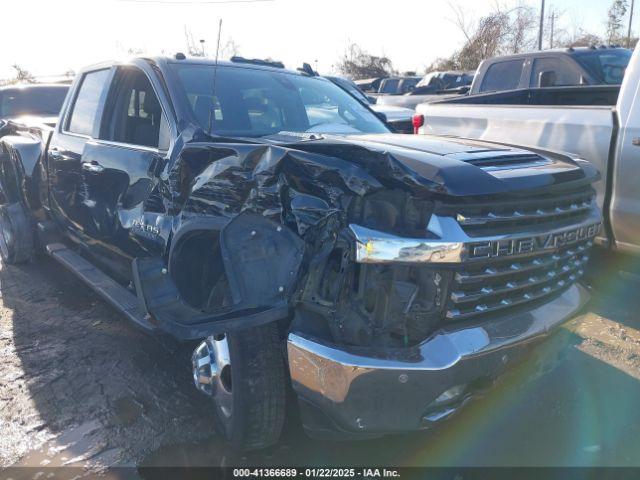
x: 361, y: 303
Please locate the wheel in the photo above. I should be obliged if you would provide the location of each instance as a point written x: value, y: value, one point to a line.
x: 16, y: 234
x: 244, y: 373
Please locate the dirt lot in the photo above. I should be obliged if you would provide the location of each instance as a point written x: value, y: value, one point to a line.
x: 79, y: 386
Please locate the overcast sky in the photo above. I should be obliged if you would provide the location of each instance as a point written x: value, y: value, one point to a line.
x: 53, y: 36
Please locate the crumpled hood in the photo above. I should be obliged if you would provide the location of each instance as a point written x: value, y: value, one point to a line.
x: 457, y: 166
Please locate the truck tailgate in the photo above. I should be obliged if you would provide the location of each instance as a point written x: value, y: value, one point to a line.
x: 585, y: 131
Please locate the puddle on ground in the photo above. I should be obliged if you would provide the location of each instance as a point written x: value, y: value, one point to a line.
x: 128, y: 410
x: 72, y: 448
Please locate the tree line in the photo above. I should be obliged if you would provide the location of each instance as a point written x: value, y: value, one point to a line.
x: 505, y: 30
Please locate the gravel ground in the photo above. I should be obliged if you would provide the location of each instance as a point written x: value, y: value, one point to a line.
x: 81, y: 387
x: 78, y: 384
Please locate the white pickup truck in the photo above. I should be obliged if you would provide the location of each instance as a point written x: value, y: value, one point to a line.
x: 594, y: 122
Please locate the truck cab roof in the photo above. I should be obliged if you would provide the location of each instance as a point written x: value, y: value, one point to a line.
x: 552, y: 68
x: 236, y: 62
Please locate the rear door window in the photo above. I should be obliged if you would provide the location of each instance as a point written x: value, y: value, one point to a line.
x: 502, y: 76
x: 134, y: 115
x: 85, y: 107
x: 557, y: 73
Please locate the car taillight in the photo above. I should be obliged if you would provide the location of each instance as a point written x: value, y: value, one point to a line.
x: 418, y: 121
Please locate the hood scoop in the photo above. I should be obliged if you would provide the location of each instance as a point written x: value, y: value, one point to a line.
x: 503, y: 162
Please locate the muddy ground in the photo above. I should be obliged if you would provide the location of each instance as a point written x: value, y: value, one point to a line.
x: 81, y: 387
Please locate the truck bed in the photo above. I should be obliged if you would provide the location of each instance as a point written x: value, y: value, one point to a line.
x: 524, y: 117
x: 559, y: 96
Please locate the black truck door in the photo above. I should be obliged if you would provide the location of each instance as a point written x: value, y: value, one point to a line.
x: 118, y: 171
x: 77, y: 127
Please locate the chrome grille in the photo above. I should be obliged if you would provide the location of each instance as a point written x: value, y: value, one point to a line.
x: 483, y: 217
x: 510, y: 283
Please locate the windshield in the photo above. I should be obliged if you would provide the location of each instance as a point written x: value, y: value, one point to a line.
x: 607, y: 66
x: 250, y: 102
x: 41, y: 101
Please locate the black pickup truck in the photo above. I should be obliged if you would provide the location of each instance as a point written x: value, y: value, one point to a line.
x: 270, y: 217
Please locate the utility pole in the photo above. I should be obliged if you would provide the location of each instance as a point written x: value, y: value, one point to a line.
x: 541, y: 26
x: 202, y: 45
x: 552, y: 18
x: 630, y: 19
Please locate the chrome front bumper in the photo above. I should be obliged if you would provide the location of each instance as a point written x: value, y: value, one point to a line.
x: 359, y: 390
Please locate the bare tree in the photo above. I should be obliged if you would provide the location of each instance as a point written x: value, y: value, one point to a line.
x: 192, y: 48
x: 22, y: 75
x: 503, y: 31
x: 356, y: 63
x: 521, y: 25
x: 582, y: 39
x: 615, y: 15
x: 135, y: 51
x: 442, y: 64
x: 229, y: 49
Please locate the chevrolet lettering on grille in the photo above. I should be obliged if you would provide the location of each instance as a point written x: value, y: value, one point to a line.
x: 528, y: 245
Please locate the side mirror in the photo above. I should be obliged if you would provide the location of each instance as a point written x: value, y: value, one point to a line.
x: 547, y: 78
x: 372, y: 100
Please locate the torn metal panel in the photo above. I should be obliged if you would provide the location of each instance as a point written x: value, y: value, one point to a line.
x: 312, y: 188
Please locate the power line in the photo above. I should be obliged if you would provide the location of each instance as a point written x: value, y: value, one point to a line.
x: 193, y: 2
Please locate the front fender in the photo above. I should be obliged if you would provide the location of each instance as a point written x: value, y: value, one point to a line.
x: 20, y: 161
x: 261, y: 262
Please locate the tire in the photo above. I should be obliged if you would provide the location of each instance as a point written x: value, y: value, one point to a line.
x: 16, y: 234
x: 249, y: 389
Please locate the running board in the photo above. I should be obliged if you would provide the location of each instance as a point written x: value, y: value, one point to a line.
x: 111, y: 291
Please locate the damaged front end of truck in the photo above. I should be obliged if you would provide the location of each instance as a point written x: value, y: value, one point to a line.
x: 402, y: 280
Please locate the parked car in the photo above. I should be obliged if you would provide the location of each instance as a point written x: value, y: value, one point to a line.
x: 552, y: 68
x: 397, y: 85
x: 40, y: 100
x: 432, y: 87
x: 399, y: 119
x: 445, y: 80
x: 598, y: 123
x: 370, y: 85
x: 273, y: 218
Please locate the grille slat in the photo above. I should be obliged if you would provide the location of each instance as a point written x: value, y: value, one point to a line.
x: 538, y: 292
x: 493, y: 272
x: 505, y: 287
x: 499, y: 284
x: 539, y: 214
x: 514, y: 287
x: 520, y: 214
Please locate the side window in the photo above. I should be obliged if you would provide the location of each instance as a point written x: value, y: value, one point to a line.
x: 502, y: 76
x: 390, y: 85
x: 134, y: 114
x: 85, y: 106
x: 553, y: 72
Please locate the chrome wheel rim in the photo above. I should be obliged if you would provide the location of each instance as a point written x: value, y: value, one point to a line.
x: 6, y: 236
x: 212, y: 372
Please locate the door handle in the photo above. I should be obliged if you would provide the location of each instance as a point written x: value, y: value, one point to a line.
x: 55, y: 154
x: 93, y: 167
x: 635, y: 142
